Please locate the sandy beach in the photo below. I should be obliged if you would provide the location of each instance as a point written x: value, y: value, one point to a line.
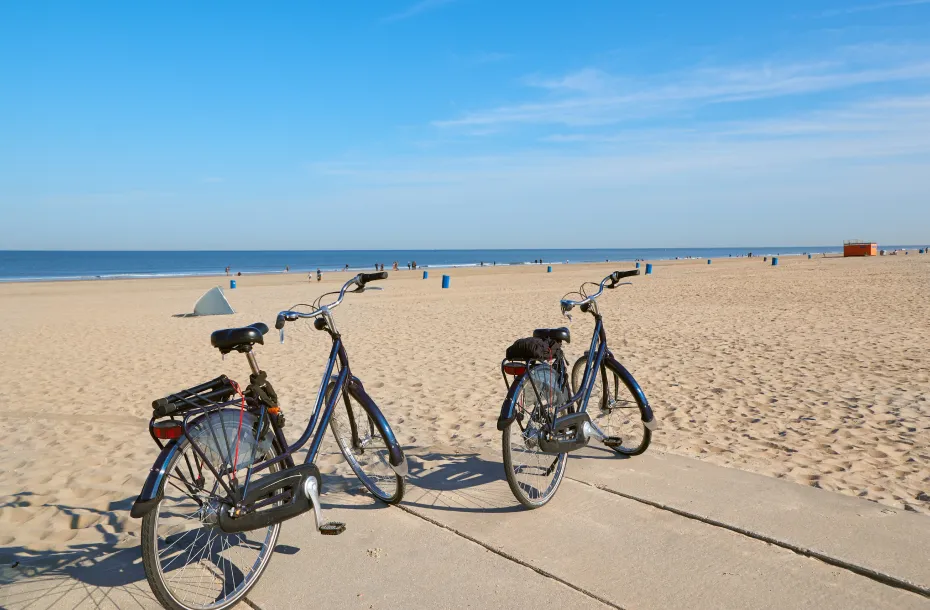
x: 816, y: 371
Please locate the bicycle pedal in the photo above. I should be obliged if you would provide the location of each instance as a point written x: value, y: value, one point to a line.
x: 333, y: 528
x: 613, y: 442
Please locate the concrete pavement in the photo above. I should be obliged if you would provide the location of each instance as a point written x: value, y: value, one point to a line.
x: 656, y: 531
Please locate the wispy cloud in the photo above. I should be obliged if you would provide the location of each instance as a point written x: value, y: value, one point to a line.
x: 593, y: 97
x: 587, y: 80
x: 866, y: 8
x: 415, y: 9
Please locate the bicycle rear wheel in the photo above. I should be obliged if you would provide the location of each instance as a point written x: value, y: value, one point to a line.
x: 615, y: 410
x: 361, y: 441
x: 534, y: 476
x: 190, y: 563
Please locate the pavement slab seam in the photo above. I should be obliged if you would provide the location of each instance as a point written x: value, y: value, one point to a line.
x: 880, y: 577
x: 511, y: 558
x: 248, y: 602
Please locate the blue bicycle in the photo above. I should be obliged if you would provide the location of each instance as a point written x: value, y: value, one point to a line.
x: 546, y: 414
x: 226, y: 478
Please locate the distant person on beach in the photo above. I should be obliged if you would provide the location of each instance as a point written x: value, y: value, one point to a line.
x: 239, y: 273
x: 394, y: 267
x: 227, y: 269
x: 319, y: 276
x: 414, y: 263
x: 347, y: 268
x: 408, y: 266
x: 287, y: 268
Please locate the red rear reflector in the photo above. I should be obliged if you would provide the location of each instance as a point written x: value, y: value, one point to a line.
x: 514, y: 369
x: 167, y: 430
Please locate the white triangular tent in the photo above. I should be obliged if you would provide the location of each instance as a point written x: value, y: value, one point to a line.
x: 213, y: 303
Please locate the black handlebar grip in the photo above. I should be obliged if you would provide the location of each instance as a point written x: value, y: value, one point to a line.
x: 364, y: 278
x: 279, y: 322
x: 619, y: 275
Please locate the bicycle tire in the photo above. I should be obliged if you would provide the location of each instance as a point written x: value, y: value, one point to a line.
x: 376, y: 474
x: 611, y: 410
x: 164, y: 584
x: 525, y: 488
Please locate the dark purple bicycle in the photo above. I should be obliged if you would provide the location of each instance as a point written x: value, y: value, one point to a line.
x: 548, y: 414
x: 226, y: 478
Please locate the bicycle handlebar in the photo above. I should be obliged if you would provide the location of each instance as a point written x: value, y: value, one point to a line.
x: 359, y: 280
x: 364, y: 278
x: 614, y: 278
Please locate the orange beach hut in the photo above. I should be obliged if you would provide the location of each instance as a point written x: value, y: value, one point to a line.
x: 857, y: 247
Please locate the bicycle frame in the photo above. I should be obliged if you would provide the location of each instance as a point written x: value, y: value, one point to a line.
x: 344, y: 382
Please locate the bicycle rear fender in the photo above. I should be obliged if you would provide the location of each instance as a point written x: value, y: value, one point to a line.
x: 630, y: 383
x: 395, y: 454
x: 509, y: 408
x: 151, y: 491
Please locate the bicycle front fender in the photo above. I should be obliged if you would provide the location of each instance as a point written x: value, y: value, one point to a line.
x: 648, y: 418
x: 509, y: 408
x: 151, y: 493
x: 395, y: 454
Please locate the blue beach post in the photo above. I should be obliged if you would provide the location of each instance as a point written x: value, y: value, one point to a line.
x: 808, y: 257
x: 708, y: 261
x: 549, y: 269
x: 232, y: 284
x: 774, y: 261
x: 426, y: 275
x: 648, y: 268
x: 637, y: 265
x: 445, y: 281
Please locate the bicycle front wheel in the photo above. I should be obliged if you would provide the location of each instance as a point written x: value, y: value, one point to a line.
x: 615, y: 410
x: 361, y: 441
x: 190, y: 563
x: 533, y: 475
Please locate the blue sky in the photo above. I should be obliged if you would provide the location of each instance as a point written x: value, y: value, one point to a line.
x: 463, y: 124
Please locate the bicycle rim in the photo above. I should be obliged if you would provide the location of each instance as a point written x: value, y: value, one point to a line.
x: 533, y: 476
x: 189, y: 561
x: 614, y: 409
x: 364, y: 448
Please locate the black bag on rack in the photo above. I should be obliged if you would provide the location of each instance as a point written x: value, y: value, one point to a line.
x: 531, y: 348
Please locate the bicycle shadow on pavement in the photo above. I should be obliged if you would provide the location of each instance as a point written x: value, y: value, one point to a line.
x: 595, y: 451
x: 105, y: 574
x: 463, y: 482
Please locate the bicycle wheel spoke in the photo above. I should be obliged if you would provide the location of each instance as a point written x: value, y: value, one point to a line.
x: 614, y: 410
x: 193, y: 563
x: 533, y: 474
x: 364, y: 448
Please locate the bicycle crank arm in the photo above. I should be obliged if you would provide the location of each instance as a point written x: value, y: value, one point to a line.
x: 312, y: 493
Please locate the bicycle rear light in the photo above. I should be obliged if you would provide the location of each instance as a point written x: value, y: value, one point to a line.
x: 514, y: 369
x: 167, y: 430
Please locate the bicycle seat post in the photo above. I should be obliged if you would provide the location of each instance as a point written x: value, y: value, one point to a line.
x: 250, y: 355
